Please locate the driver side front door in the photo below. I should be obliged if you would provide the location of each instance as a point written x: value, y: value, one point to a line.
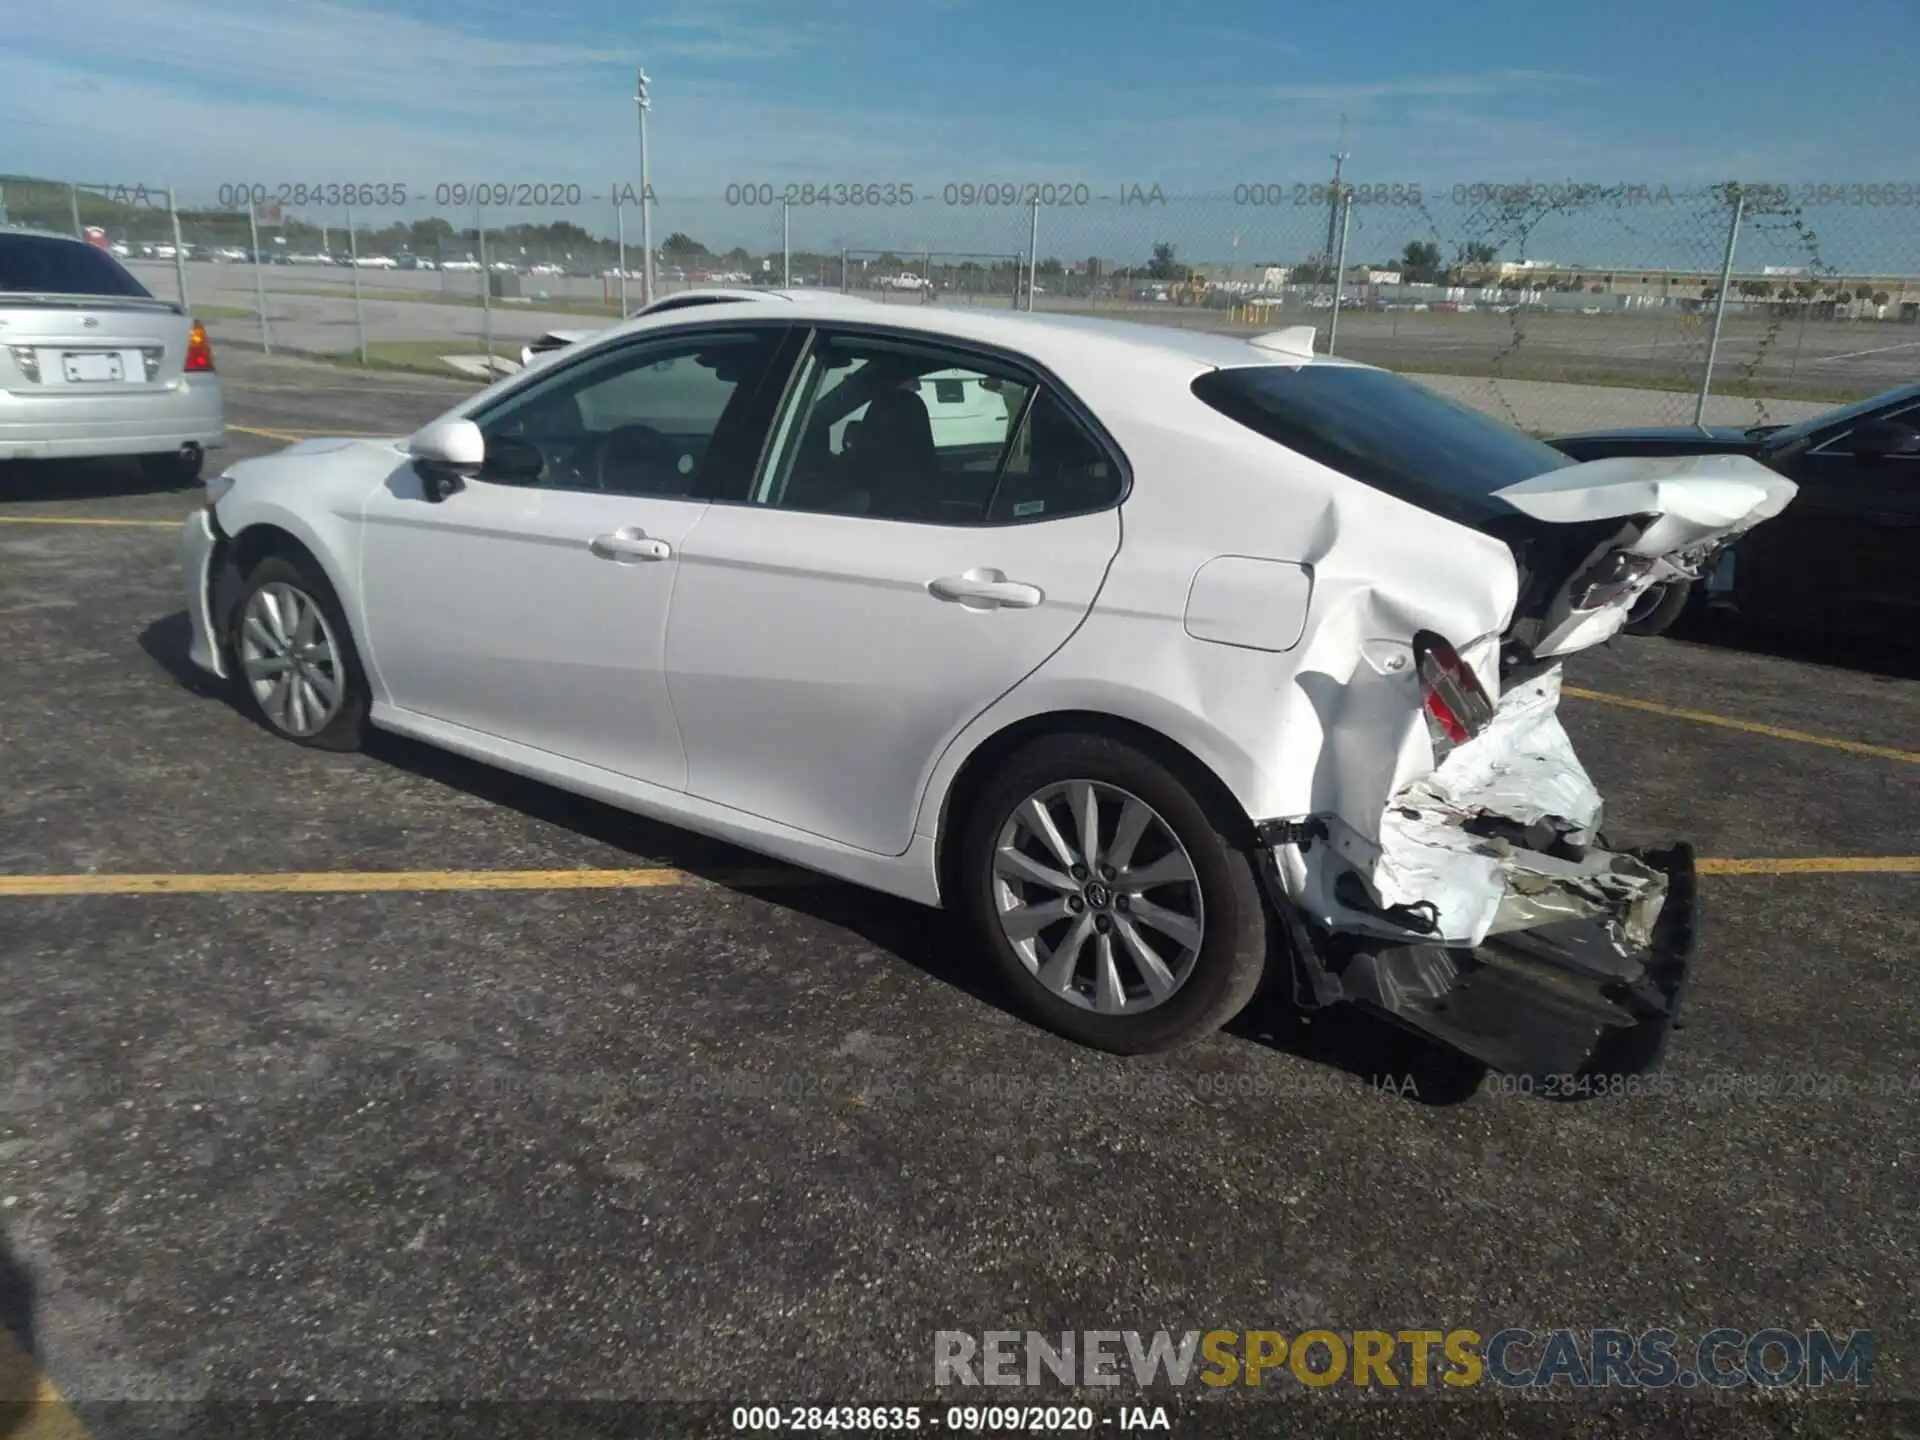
x: 531, y: 604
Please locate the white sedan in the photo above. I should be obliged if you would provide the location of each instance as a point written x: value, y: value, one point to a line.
x: 1212, y: 653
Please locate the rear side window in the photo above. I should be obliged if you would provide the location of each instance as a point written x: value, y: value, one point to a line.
x: 1386, y: 432
x: 47, y: 265
x: 1055, y: 468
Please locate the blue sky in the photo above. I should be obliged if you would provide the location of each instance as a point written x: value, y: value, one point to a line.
x: 198, y: 93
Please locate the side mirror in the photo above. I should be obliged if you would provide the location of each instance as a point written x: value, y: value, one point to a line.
x: 1878, y: 439
x: 445, y: 454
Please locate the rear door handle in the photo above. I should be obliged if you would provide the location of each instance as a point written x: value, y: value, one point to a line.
x: 624, y: 547
x: 985, y: 589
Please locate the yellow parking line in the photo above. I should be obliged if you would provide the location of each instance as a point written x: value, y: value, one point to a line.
x: 1751, y: 727
x: 82, y: 520
x: 290, y: 436
x: 318, y: 882
x: 32, y: 1408
x: 325, y: 882
x: 1817, y: 865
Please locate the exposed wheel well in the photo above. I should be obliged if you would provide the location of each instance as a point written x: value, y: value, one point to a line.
x: 238, y: 554
x: 1207, y: 787
x: 256, y: 542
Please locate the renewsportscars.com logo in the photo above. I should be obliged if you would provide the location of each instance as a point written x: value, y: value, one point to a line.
x: 1514, y: 1358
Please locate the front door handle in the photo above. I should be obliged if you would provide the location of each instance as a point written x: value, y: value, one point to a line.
x: 984, y: 589
x: 626, y: 546
x: 1893, y: 519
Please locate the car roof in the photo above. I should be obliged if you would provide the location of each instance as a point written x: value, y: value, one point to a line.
x: 717, y: 293
x: 31, y: 232
x: 1060, y: 341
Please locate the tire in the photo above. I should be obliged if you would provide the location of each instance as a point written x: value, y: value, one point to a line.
x: 1213, y: 981
x: 344, y: 725
x: 174, y: 468
x: 1659, y: 608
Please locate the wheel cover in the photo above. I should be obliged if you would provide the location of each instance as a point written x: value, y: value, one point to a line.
x: 290, y: 660
x: 1098, y: 897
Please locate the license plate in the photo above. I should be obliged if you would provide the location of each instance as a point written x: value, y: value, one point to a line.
x: 93, y: 365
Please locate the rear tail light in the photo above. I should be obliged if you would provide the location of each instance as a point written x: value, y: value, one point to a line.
x: 199, y: 352
x: 1456, y: 704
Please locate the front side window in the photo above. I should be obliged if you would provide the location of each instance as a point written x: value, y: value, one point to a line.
x: 1842, y: 443
x: 656, y: 418
x: 896, y: 430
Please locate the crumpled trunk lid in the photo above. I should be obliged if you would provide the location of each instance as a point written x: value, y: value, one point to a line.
x: 1591, y: 538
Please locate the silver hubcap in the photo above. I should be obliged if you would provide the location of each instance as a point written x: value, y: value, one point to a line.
x: 1098, y: 897
x: 287, y: 653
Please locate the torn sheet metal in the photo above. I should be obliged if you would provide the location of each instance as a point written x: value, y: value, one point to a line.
x: 1500, y: 837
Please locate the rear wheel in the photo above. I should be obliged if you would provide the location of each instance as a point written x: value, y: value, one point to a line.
x: 1655, y: 612
x: 176, y: 467
x: 1111, y: 900
x: 296, y: 666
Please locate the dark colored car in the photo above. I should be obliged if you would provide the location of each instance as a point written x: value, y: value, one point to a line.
x: 1844, y: 555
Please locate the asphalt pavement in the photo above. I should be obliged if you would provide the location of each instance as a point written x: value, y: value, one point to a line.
x: 736, y: 1136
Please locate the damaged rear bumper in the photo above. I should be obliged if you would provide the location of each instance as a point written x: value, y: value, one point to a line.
x: 1490, y: 914
x: 1556, y: 999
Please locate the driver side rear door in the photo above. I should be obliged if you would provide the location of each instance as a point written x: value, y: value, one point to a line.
x: 531, y: 605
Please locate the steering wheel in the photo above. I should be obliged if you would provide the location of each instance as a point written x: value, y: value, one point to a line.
x: 628, y: 447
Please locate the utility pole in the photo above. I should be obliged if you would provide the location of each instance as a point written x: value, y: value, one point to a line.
x: 1334, y: 193
x: 646, y: 196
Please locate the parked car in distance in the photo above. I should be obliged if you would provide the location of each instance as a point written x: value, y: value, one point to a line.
x: 1298, y: 705
x: 377, y: 262
x: 465, y: 267
x: 91, y: 364
x: 1845, y: 557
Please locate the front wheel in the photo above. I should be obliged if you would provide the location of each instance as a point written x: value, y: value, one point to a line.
x: 1113, y: 902
x: 297, y: 669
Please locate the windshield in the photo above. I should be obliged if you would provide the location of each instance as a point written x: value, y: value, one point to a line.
x: 48, y: 265
x: 1385, y: 431
x: 1846, y: 414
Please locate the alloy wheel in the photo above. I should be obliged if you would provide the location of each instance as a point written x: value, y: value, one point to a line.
x: 1098, y: 897
x: 290, y: 660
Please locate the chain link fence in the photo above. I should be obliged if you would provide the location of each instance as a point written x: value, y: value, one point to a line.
x: 1557, y: 306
